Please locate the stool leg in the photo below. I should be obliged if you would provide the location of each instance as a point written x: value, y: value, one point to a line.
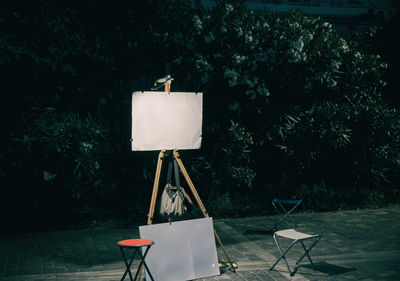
x: 283, y: 253
x: 291, y: 210
x: 306, y: 251
x: 280, y: 214
x: 285, y: 215
x: 128, y: 265
x: 142, y: 257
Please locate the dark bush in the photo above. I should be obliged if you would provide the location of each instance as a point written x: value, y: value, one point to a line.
x: 292, y: 107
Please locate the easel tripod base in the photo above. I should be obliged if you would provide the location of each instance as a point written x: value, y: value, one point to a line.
x: 176, y: 156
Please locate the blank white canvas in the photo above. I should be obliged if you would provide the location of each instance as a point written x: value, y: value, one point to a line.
x: 162, y: 120
x: 183, y: 250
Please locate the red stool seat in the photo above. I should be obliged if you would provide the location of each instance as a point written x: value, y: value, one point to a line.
x: 136, y: 244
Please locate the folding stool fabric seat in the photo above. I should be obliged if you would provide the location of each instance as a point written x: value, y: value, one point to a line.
x: 296, y: 236
x: 283, y: 212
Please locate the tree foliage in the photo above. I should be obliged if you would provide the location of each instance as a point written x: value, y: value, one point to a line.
x: 292, y: 107
x: 298, y: 86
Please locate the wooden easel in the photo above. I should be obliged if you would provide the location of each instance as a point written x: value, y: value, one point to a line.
x: 176, y: 156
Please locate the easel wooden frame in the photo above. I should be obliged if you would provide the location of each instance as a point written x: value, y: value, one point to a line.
x: 176, y: 156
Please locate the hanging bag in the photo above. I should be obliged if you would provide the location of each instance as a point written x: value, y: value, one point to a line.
x: 188, y: 204
x: 172, y: 198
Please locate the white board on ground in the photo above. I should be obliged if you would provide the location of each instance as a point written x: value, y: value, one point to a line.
x: 182, y: 250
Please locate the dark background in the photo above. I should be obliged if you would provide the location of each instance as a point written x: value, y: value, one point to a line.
x: 293, y: 107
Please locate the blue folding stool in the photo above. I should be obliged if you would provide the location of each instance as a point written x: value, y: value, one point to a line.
x: 283, y: 212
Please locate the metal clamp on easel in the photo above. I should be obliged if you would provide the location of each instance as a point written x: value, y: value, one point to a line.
x: 164, y: 81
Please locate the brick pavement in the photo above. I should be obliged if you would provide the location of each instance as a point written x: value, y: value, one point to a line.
x: 355, y: 245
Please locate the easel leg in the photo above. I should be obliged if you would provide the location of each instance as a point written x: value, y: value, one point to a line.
x: 155, y: 187
x: 199, y: 202
x: 153, y: 197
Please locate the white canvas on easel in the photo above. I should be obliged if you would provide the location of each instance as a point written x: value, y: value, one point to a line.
x: 182, y: 250
x: 166, y: 120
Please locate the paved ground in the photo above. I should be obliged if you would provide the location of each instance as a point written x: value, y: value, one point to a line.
x: 355, y: 245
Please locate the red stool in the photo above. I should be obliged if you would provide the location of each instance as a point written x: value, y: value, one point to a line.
x: 135, y: 244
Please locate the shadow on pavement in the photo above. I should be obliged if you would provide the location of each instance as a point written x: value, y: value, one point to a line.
x: 259, y: 232
x: 328, y: 269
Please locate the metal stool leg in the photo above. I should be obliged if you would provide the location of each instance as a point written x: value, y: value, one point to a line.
x: 284, y: 213
x: 142, y: 257
x: 128, y: 265
x: 288, y: 214
x: 306, y: 251
x: 283, y: 253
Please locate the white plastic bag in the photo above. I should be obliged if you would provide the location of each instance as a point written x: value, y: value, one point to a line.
x: 172, y: 202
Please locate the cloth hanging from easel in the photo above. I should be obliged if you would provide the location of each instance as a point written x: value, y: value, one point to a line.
x: 172, y: 198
